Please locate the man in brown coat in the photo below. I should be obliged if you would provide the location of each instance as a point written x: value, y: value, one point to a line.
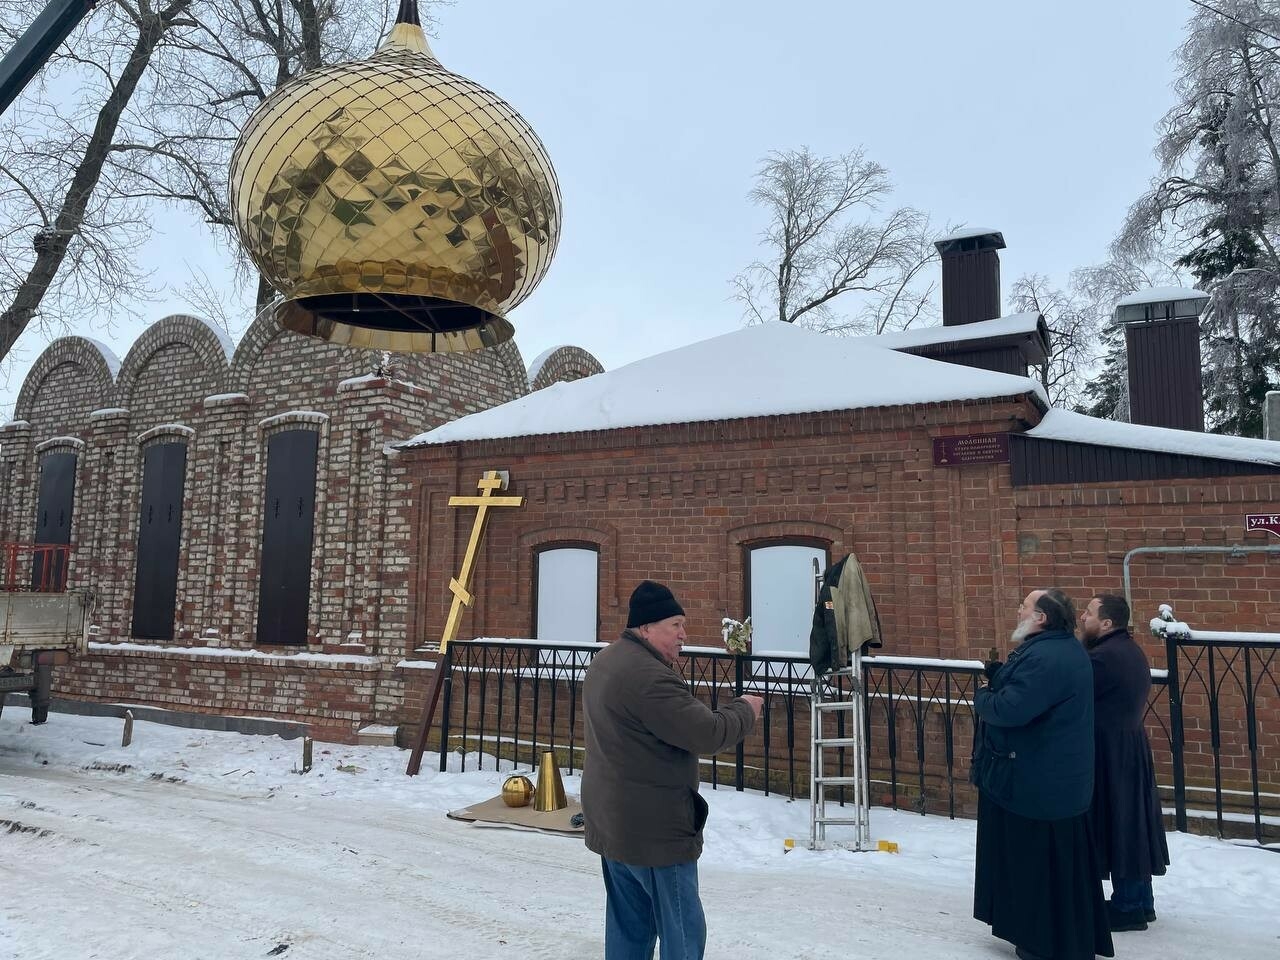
x: 644, y: 733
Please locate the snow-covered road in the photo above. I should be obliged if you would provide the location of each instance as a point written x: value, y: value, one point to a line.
x: 209, y: 846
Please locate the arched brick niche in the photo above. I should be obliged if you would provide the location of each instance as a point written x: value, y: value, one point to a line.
x: 71, y: 378
x: 561, y: 365
x: 171, y: 368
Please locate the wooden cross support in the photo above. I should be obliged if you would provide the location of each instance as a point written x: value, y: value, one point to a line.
x: 460, y: 587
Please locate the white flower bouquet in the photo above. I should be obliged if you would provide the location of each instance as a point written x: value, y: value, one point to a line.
x: 736, y: 634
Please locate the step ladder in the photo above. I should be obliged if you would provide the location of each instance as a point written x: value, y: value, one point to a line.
x: 837, y: 760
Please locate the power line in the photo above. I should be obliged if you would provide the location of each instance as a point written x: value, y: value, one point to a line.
x: 1226, y: 16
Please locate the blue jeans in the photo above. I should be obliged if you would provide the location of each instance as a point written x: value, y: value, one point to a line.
x: 644, y: 904
x: 1132, y: 896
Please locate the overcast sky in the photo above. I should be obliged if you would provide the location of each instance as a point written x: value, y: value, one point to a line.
x: 1036, y: 118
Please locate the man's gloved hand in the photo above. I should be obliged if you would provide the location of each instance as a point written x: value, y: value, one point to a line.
x: 990, y: 668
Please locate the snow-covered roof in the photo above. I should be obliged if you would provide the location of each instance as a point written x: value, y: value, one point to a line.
x: 1013, y: 324
x: 767, y: 370
x: 1079, y: 428
x: 965, y: 232
x: 1161, y: 295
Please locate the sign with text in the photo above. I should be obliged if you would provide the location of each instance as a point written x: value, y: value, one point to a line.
x: 1262, y: 521
x: 973, y: 448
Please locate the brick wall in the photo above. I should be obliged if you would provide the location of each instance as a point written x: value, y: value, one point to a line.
x: 949, y: 551
x: 183, y: 382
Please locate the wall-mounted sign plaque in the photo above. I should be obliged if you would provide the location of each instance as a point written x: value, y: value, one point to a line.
x: 973, y: 448
x: 1262, y: 521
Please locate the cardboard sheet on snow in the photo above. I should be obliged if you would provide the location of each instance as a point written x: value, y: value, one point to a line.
x: 495, y: 813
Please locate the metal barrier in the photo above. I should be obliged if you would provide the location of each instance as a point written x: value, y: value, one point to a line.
x: 519, y: 697
x: 35, y: 567
x: 522, y: 696
x: 1232, y: 681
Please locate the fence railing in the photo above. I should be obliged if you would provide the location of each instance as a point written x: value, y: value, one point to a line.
x: 34, y: 567
x: 1224, y: 701
x: 512, y: 699
x: 1213, y: 717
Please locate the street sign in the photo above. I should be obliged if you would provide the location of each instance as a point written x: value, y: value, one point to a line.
x: 1263, y: 521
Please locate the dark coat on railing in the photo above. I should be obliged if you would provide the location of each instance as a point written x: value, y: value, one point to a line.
x: 1127, y: 823
x: 845, y: 618
x: 644, y: 733
x: 1034, y: 755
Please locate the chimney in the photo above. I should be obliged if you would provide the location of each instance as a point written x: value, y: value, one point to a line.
x: 1271, y: 415
x: 970, y: 275
x: 1162, y: 341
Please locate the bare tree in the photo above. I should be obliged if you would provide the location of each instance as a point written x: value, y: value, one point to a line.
x: 825, y: 241
x: 67, y: 226
x: 1073, y: 335
x: 161, y: 92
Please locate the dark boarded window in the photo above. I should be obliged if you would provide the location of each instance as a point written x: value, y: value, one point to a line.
x: 53, y: 520
x: 287, y: 528
x: 155, y: 585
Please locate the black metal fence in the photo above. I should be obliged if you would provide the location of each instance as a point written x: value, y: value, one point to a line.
x: 1224, y: 712
x: 1214, y: 718
x: 512, y: 699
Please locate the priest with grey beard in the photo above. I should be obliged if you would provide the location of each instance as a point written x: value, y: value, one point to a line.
x: 1036, y: 878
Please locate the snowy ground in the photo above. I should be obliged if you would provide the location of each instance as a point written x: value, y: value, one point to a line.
x: 208, y: 845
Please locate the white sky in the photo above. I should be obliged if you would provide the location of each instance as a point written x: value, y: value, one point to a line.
x: 1035, y: 119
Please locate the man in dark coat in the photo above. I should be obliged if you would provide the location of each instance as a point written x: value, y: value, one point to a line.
x: 1127, y: 823
x: 1036, y: 879
x: 643, y: 816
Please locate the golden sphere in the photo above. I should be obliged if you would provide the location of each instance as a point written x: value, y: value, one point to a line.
x: 389, y: 194
x: 517, y: 791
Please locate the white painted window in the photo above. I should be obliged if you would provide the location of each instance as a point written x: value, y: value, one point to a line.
x: 566, y: 600
x: 783, y: 593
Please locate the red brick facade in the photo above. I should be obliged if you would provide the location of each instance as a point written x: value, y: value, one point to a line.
x: 182, y: 382
x: 949, y: 551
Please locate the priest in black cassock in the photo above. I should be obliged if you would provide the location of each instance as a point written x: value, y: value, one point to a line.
x: 1127, y: 823
x: 1036, y: 878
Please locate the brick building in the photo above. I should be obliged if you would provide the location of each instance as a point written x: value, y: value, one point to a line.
x: 729, y: 479
x: 232, y: 507
x: 838, y: 447
x: 728, y: 468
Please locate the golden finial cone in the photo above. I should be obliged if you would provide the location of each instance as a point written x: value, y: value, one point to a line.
x: 549, y: 794
x: 395, y: 204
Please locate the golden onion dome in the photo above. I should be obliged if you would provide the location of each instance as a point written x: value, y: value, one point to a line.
x: 393, y: 204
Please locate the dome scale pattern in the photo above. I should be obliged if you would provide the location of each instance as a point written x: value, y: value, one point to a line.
x: 395, y: 205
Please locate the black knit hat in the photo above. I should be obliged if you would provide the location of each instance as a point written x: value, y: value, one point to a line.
x: 651, y: 602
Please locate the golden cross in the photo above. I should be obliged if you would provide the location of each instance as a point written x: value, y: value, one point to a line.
x: 460, y: 585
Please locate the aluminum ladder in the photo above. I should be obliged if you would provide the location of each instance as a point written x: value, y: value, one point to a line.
x: 837, y: 696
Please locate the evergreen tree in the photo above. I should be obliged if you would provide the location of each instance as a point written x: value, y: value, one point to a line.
x: 1217, y: 201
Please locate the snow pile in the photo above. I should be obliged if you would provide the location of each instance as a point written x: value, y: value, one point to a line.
x: 1015, y: 323
x: 766, y: 370
x: 1161, y: 295
x: 1079, y: 428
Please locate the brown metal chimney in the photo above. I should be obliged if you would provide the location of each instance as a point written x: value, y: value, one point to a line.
x: 970, y: 275
x: 1162, y: 341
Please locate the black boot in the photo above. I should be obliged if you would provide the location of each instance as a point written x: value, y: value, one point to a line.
x: 1150, y: 915
x: 1026, y: 954
x: 1121, y: 920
